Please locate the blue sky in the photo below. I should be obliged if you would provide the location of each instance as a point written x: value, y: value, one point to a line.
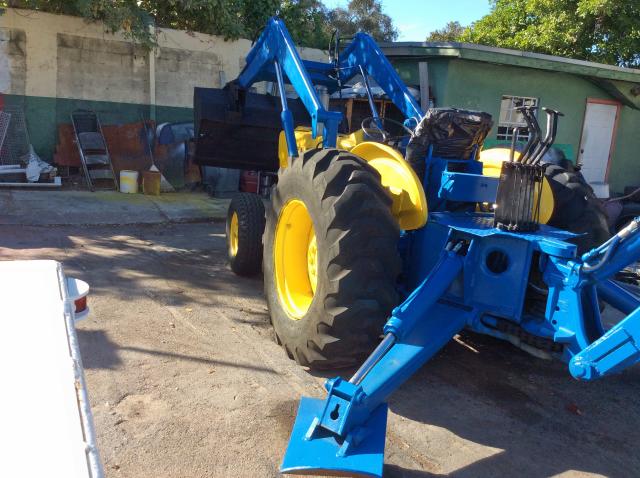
x: 414, y: 19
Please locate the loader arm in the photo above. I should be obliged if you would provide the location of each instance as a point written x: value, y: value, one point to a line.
x: 363, y: 51
x: 274, y: 58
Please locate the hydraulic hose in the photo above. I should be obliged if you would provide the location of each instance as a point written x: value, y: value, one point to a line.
x: 607, y: 253
x: 609, y: 247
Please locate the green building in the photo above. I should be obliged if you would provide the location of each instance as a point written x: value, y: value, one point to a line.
x: 601, y: 103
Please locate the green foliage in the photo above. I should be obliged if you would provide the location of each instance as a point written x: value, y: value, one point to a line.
x: 606, y: 31
x: 309, y: 21
x: 366, y: 16
x: 451, y: 32
x: 228, y: 18
x: 118, y: 15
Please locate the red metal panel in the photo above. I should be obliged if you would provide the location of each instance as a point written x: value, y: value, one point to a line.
x: 129, y: 149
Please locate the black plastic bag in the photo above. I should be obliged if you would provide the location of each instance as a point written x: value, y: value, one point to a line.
x: 453, y: 133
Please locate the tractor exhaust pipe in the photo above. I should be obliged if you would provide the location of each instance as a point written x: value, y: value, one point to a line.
x: 537, y: 133
x: 514, y: 138
x: 550, y: 137
x: 541, y: 146
x: 534, y: 131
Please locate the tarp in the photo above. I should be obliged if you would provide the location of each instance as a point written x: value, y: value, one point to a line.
x: 453, y: 133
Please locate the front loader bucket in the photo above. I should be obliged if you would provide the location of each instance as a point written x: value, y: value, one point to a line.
x: 238, y: 129
x: 320, y: 454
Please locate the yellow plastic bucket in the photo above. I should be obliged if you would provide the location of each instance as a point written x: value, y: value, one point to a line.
x: 128, y: 181
x: 151, y: 182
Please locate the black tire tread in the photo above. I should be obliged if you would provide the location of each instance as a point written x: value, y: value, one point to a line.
x: 577, y: 209
x: 251, y: 222
x: 362, y: 261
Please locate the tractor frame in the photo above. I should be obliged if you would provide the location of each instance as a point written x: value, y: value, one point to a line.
x: 460, y: 271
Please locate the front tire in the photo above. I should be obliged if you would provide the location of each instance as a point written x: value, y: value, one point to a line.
x: 331, y: 259
x: 245, y: 226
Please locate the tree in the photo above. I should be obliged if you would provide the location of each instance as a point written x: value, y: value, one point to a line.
x: 309, y: 21
x: 452, y: 31
x: 117, y: 15
x: 366, y: 16
x: 606, y: 31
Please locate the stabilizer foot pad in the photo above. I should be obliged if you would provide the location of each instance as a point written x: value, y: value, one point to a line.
x: 318, y: 456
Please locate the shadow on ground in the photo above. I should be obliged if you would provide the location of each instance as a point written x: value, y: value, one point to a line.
x: 541, y: 421
x: 99, y: 352
x: 124, y: 261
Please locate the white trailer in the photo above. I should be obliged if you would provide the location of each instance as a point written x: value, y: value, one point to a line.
x: 46, y: 425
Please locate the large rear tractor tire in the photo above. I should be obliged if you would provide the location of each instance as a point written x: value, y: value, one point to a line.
x: 576, y: 207
x: 331, y: 259
x: 245, y: 226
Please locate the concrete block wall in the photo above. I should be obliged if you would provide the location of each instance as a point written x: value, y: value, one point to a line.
x: 13, y: 65
x: 53, y: 64
x: 96, y: 69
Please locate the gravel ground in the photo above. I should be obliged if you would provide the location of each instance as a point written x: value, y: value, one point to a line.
x: 186, y: 381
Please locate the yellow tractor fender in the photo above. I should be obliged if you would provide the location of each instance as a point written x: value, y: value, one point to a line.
x: 397, y: 175
x: 409, y: 200
x: 492, y: 160
x: 304, y: 142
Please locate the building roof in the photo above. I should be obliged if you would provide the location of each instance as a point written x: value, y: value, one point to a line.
x: 471, y: 51
x: 613, y: 79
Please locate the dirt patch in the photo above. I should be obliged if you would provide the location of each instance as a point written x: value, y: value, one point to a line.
x: 141, y: 408
x: 283, y: 415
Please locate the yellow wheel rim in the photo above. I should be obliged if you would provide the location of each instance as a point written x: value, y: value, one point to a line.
x: 312, y: 261
x: 233, y: 235
x: 295, y: 259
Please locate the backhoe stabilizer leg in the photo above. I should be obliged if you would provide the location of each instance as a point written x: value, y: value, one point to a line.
x: 345, y: 432
x: 616, y: 350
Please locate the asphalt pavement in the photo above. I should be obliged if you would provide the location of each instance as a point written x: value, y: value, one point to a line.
x: 55, y: 208
x: 185, y: 379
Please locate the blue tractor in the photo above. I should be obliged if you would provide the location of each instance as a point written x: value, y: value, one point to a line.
x: 386, y: 242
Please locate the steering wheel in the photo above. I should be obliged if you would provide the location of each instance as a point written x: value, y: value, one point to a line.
x: 376, y: 129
